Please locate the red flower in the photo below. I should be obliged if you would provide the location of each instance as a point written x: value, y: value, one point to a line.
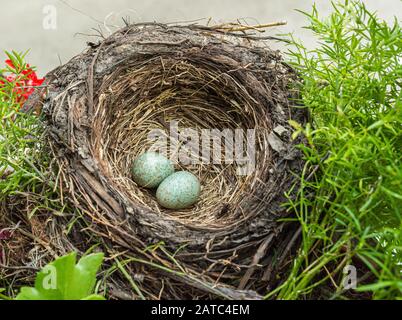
x: 10, y: 63
x: 24, y: 80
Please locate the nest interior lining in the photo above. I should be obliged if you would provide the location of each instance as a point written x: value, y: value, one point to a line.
x: 193, y: 92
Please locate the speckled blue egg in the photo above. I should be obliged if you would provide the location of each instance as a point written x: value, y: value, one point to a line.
x: 178, y: 191
x: 150, y: 169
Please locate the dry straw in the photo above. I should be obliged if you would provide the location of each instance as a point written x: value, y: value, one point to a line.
x: 99, y: 109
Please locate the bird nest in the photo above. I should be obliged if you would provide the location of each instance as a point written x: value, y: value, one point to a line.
x: 215, y: 101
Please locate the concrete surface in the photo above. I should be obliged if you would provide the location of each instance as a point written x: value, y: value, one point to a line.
x: 22, y: 21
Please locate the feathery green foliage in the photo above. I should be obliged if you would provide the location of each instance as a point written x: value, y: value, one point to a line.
x: 351, y: 84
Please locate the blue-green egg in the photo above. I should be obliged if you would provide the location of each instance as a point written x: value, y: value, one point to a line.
x: 150, y: 169
x: 178, y: 191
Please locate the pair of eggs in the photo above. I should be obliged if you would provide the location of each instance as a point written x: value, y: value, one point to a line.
x: 175, y: 190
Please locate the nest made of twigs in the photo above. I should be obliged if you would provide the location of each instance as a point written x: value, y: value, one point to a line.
x: 100, y: 108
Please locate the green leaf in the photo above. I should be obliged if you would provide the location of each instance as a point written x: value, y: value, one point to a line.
x: 94, y: 297
x: 63, y: 279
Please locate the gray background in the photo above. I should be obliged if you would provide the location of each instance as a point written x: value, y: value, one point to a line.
x: 22, y: 20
